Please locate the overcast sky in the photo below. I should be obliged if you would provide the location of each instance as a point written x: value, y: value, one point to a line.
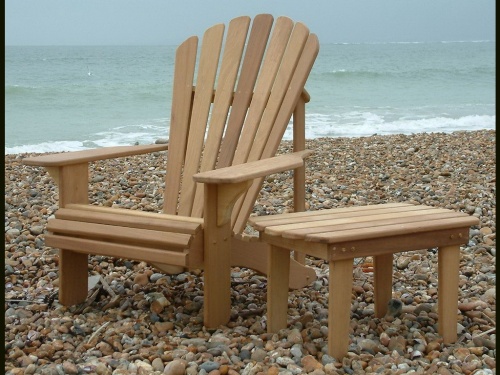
x: 161, y: 22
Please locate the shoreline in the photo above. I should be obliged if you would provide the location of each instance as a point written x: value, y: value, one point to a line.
x: 450, y: 170
x: 308, y: 139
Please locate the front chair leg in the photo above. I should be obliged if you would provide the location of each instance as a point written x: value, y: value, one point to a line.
x: 73, y: 277
x: 72, y: 181
x: 218, y: 202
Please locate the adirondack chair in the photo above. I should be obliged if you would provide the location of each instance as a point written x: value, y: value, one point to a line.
x: 230, y: 121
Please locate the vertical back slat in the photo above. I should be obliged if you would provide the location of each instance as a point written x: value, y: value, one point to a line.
x: 280, y: 88
x: 297, y: 83
x: 207, y: 71
x: 257, y: 42
x: 185, y: 62
x: 274, y: 54
x: 233, y: 51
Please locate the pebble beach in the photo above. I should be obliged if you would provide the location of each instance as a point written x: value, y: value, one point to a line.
x: 139, y: 321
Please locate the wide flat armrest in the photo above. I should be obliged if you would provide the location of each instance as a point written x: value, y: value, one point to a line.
x: 254, y: 169
x: 78, y: 157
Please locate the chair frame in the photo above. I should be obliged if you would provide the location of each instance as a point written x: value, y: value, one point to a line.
x: 224, y: 204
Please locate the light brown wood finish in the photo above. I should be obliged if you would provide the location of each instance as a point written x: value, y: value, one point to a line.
x: 129, y: 219
x: 303, y: 67
x: 448, y: 259
x: 182, y: 94
x: 231, y: 59
x: 247, y: 84
x: 207, y: 70
x: 382, y: 283
x: 85, y: 156
x: 262, y: 98
x: 339, y: 306
x: 217, y: 254
x: 377, y: 232
x: 73, y: 188
x: 277, y: 288
x: 259, y: 34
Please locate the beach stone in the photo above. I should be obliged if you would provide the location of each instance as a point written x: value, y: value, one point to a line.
x: 294, y: 337
x: 98, y: 178
x: 164, y: 326
x: 143, y: 367
x: 309, y: 363
x: 384, y: 339
x: 141, y: 279
x: 484, y: 371
x: 259, y: 355
x: 176, y: 367
x: 422, y: 307
x: 102, y: 369
x: 36, y: 230
x: 397, y: 343
x: 69, y: 368
x: 157, y: 365
x: 394, y: 308
x: 156, y: 276
x: 468, y: 306
x: 296, y: 351
x: 485, y: 342
x: 369, y: 346
x: 273, y: 370
x: 209, y: 366
x: 284, y: 361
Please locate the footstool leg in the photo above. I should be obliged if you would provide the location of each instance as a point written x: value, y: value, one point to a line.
x: 277, y: 288
x: 448, y: 277
x: 382, y: 269
x: 339, y: 307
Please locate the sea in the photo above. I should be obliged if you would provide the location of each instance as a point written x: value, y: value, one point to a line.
x: 65, y: 98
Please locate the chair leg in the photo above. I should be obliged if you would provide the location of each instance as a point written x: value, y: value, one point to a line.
x: 382, y: 266
x: 73, y: 277
x: 277, y: 288
x: 339, y: 307
x: 448, y: 277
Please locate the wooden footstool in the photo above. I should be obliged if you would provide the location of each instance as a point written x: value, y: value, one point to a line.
x: 340, y: 235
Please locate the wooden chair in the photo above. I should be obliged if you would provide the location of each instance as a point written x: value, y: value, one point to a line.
x: 231, y: 120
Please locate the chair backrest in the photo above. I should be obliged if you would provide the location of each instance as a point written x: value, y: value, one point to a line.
x: 235, y: 111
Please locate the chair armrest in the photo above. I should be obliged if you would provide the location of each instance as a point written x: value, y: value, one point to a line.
x: 249, y: 171
x: 78, y: 157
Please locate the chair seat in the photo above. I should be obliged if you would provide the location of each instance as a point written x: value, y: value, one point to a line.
x: 126, y: 234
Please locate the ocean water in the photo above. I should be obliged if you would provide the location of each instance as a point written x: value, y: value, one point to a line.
x: 64, y: 98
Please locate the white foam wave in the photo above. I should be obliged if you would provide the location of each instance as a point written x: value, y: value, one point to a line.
x: 349, y: 124
x: 362, y: 124
x: 46, y: 147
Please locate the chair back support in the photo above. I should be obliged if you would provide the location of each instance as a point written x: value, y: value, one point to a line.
x: 235, y: 111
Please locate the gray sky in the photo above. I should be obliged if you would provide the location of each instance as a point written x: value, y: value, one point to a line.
x: 160, y: 22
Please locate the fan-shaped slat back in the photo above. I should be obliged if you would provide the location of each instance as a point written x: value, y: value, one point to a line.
x: 182, y: 94
x: 207, y: 70
x: 268, y: 69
